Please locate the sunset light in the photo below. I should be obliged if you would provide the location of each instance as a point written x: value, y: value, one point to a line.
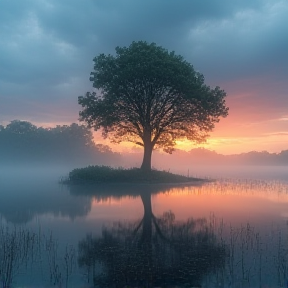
x: 144, y: 143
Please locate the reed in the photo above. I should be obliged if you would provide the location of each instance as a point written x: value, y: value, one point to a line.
x: 253, y: 258
x: 23, y: 251
x: 16, y: 249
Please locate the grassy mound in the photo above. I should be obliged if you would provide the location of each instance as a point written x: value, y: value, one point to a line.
x: 105, y: 174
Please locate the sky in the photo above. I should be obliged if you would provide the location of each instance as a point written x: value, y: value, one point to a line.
x: 47, y: 49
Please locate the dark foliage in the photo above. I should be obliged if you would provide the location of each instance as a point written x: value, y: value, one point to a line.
x: 21, y: 141
x: 105, y: 174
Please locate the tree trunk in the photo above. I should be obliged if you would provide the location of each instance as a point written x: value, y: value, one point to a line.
x: 146, y: 240
x: 147, y: 219
x: 146, y: 163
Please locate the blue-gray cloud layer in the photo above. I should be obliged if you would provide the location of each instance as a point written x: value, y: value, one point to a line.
x: 47, y: 47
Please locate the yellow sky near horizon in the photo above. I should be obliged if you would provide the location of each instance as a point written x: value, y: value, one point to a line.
x: 241, y: 131
x: 251, y: 125
x: 223, y: 145
x: 229, y: 137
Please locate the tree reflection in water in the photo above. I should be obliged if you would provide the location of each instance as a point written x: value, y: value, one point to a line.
x: 156, y: 251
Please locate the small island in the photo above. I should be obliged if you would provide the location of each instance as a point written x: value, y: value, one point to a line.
x: 106, y: 174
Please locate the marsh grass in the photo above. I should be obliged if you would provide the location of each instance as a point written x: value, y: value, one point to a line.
x: 106, y: 174
x: 253, y: 259
x: 25, y: 252
x: 16, y: 249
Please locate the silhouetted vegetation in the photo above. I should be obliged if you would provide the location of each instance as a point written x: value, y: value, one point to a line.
x: 23, y: 251
x: 150, y: 97
x: 16, y: 249
x: 21, y: 141
x: 100, y: 174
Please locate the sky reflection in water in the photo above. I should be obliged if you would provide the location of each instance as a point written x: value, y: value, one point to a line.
x: 240, y: 211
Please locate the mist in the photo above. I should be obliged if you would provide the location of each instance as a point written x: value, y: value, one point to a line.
x: 204, y: 163
x: 34, y: 160
x: 28, y: 151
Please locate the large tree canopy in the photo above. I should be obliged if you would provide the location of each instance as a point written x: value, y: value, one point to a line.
x: 151, y: 97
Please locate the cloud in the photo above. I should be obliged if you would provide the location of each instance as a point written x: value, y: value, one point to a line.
x: 44, y: 40
x: 248, y: 52
x: 284, y: 133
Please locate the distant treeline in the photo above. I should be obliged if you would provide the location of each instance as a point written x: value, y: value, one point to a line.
x: 21, y: 141
x: 249, y: 158
x: 201, y: 156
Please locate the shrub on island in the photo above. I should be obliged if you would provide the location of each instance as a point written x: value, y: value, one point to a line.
x: 106, y: 174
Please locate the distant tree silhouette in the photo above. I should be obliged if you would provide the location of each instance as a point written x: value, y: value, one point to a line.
x: 154, y: 252
x: 150, y: 97
x: 22, y: 141
x: 20, y: 127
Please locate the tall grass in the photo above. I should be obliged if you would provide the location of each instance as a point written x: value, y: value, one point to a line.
x: 23, y: 251
x: 16, y: 249
x: 253, y: 258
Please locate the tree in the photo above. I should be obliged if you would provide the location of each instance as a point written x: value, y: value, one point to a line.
x: 22, y: 141
x: 21, y: 127
x: 151, y: 97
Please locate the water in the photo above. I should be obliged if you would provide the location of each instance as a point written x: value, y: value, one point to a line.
x: 228, y: 233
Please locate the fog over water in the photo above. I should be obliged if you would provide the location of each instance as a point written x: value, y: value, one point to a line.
x: 237, y: 172
x: 229, y: 230
x: 32, y: 199
x: 26, y: 172
x: 208, y: 164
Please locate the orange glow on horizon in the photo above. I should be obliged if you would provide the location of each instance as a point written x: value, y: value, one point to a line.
x: 273, y: 143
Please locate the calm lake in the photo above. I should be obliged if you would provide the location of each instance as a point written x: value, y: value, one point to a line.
x: 231, y: 232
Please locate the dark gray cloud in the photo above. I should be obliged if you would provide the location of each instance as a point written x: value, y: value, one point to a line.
x: 47, y: 47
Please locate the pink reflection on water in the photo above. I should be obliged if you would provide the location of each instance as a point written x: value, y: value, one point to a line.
x: 258, y: 202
